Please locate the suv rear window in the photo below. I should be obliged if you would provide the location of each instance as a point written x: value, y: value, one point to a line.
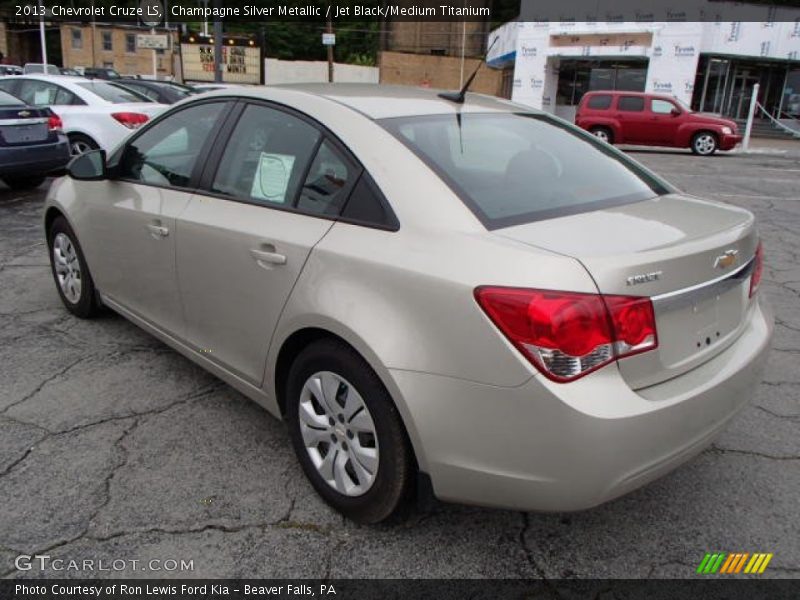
x: 516, y: 168
x: 601, y: 102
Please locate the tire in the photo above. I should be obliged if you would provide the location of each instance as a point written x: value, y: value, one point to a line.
x: 375, y: 493
x: 704, y: 143
x: 24, y: 183
x: 603, y: 133
x: 79, y: 143
x: 70, y: 272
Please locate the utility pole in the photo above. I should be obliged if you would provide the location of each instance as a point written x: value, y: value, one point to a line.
x: 750, y: 115
x: 42, y: 38
x: 217, y: 45
x: 329, y: 30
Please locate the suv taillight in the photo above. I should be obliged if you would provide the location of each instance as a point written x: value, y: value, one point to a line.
x: 758, y: 268
x: 568, y: 334
x: 131, y: 120
x: 54, y: 123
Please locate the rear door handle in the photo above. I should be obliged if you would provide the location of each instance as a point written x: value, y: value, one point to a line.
x: 267, y: 256
x: 157, y: 231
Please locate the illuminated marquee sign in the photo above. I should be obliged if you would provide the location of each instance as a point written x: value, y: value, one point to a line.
x: 241, y: 60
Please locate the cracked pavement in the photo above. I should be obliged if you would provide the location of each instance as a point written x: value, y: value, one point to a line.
x: 112, y: 446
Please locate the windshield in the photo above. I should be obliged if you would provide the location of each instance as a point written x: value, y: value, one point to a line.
x: 112, y: 93
x: 517, y: 168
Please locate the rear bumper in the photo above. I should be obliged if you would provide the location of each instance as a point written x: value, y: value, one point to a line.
x: 549, y: 446
x: 729, y: 142
x: 35, y: 160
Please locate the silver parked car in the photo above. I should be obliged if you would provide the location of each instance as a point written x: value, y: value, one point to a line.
x: 475, y: 297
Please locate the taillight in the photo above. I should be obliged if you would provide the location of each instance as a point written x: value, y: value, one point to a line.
x: 568, y: 334
x: 131, y: 120
x: 758, y: 268
x: 54, y: 123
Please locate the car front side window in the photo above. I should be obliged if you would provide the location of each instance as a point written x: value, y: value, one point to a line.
x: 167, y: 152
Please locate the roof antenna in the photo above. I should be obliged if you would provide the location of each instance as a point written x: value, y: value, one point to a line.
x: 458, y: 97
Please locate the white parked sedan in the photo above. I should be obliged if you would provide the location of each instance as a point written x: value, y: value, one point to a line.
x: 94, y: 113
x: 475, y: 295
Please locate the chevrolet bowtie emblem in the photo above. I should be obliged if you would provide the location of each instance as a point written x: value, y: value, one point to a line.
x: 24, y: 113
x: 723, y: 261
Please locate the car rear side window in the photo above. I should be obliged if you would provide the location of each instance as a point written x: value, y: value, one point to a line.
x: 516, y: 168
x: 599, y: 102
x: 328, y: 181
x: 9, y: 100
x: 266, y: 157
x: 367, y: 206
x: 631, y: 103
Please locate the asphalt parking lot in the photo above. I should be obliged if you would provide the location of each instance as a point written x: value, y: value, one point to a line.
x: 112, y: 446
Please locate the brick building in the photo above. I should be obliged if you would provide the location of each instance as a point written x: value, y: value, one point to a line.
x: 103, y: 45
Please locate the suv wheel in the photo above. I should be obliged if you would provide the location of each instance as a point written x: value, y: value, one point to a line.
x: 347, y: 433
x: 704, y: 143
x: 602, y: 133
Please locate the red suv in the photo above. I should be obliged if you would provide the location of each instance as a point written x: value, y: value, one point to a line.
x: 654, y: 120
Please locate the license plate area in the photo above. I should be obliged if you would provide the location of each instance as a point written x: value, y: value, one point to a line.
x: 21, y: 134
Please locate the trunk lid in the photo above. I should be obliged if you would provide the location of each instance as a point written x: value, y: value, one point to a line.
x: 23, y: 125
x: 692, y: 257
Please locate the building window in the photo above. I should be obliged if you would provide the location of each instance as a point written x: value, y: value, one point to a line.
x: 77, y: 39
x: 108, y: 44
x: 130, y: 43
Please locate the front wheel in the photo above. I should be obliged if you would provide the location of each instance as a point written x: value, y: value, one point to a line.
x: 23, y: 183
x: 347, y: 432
x: 704, y: 143
x: 70, y: 272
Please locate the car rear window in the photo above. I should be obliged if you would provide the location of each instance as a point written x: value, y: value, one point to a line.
x: 631, y: 103
x: 112, y: 93
x: 599, y: 102
x: 516, y: 168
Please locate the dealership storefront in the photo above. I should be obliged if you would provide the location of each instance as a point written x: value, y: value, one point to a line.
x: 711, y: 66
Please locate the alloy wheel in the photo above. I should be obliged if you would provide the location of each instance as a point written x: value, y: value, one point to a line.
x: 705, y: 143
x: 79, y: 147
x: 338, y: 433
x: 67, y: 267
x: 601, y: 134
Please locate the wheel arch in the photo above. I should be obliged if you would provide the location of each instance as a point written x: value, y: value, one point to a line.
x: 280, y: 361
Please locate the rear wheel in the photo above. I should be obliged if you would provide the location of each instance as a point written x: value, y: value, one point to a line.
x: 603, y: 133
x: 73, y: 281
x: 704, y: 143
x: 79, y: 143
x: 23, y: 183
x: 347, y: 432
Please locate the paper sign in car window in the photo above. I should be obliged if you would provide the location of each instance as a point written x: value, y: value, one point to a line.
x: 272, y: 177
x: 41, y: 97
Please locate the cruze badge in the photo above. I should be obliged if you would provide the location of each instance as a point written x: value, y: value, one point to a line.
x: 723, y: 261
x: 644, y: 277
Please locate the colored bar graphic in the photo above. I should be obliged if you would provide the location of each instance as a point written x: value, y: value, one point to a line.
x: 725, y: 563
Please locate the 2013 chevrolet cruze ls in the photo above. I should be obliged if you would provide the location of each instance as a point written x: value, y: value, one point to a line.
x: 476, y: 296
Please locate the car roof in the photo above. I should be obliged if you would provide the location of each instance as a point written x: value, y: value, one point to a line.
x: 380, y: 101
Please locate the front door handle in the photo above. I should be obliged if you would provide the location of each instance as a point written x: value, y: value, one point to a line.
x: 157, y: 230
x: 267, y: 257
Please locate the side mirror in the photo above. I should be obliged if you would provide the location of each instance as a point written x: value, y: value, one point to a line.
x: 89, y: 166
x: 675, y: 112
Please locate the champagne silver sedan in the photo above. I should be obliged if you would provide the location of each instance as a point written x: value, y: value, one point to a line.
x: 475, y: 298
